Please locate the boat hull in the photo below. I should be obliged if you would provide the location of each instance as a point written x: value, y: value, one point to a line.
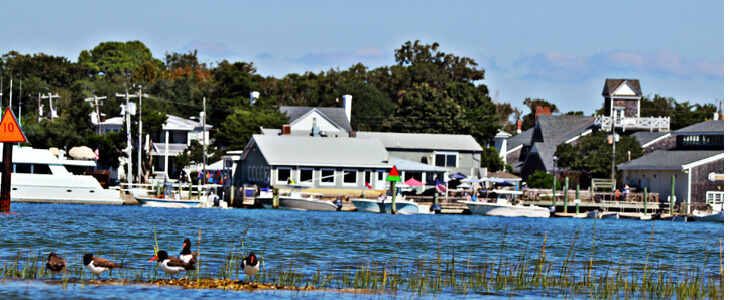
x: 406, y: 208
x: 717, y: 217
x: 508, y: 210
x: 368, y: 205
x: 72, y: 189
x: 161, y: 202
x: 306, y: 204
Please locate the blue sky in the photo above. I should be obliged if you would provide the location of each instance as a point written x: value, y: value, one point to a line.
x: 561, y: 51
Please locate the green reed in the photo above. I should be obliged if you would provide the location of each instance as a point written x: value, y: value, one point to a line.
x: 531, y: 271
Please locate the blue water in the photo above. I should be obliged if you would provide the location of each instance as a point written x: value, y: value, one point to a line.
x: 322, y: 240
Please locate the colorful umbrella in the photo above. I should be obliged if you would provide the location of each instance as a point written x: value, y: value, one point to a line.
x: 413, y: 182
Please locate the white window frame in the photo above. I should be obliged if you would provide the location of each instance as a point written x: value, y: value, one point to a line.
x: 334, y: 177
x: 446, y: 155
x: 357, y: 180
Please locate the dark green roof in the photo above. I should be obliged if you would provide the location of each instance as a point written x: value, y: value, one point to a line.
x: 668, y: 159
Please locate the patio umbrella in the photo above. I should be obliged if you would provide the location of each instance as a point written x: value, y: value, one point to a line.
x: 413, y: 182
x: 464, y: 185
x: 82, y: 152
x: 494, y: 179
x: 457, y: 176
x: 472, y: 180
x: 504, y: 183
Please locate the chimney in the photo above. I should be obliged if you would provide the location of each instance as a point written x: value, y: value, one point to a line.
x: 519, y: 126
x: 347, y: 102
x: 715, y: 116
x: 542, y: 111
x: 286, y: 129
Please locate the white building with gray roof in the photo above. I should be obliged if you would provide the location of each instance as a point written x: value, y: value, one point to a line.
x: 273, y: 160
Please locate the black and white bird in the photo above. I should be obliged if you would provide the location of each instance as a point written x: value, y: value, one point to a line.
x: 55, y: 264
x: 186, y: 255
x: 171, y: 265
x: 98, y: 265
x: 250, y: 265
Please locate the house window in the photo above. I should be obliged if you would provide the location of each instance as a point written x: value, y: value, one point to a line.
x: 349, y: 177
x: 306, y: 175
x: 368, y: 175
x: 328, y: 177
x: 283, y: 175
x: 446, y: 159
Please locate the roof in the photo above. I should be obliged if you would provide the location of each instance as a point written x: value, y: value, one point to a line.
x: 711, y: 127
x: 322, y: 152
x: 546, y: 151
x: 669, y: 159
x: 178, y: 123
x: 412, y: 166
x: 523, y: 138
x: 335, y: 114
x: 428, y: 141
x: 560, y: 128
x: 647, y: 137
x: 503, y: 175
x: 611, y: 84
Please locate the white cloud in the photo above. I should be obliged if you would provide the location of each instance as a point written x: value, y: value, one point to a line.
x: 570, y: 67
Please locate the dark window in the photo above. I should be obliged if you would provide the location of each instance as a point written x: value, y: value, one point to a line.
x: 367, y: 177
x: 305, y: 175
x: 284, y: 175
x: 41, y: 169
x: 350, y: 176
x: 328, y: 176
x: 446, y: 160
x: 22, y: 168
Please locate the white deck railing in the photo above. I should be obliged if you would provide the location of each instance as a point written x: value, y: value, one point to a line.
x: 650, y: 123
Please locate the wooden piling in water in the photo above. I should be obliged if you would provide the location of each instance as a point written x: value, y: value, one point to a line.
x: 565, y: 195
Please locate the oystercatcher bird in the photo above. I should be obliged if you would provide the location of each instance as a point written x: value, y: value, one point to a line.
x: 186, y: 255
x: 250, y: 265
x: 55, y: 264
x: 171, y: 265
x: 98, y: 265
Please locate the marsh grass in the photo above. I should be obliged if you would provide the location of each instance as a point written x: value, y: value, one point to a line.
x: 529, y: 271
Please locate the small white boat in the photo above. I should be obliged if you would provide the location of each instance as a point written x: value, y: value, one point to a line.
x: 503, y: 207
x: 173, y: 200
x: 594, y: 214
x: 609, y: 215
x: 368, y: 205
x: 709, y: 217
x: 406, y: 207
x: 306, y: 201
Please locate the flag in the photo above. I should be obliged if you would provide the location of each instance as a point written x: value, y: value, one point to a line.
x: 96, y: 152
x: 441, y: 187
x: 290, y: 181
x: 367, y: 184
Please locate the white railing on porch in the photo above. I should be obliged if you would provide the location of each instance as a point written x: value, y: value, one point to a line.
x: 650, y: 123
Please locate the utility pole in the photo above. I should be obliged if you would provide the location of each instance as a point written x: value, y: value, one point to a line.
x: 129, y: 138
x: 205, y: 146
x: 139, y: 134
x: 96, y: 105
x: 50, y: 103
x: 40, y: 108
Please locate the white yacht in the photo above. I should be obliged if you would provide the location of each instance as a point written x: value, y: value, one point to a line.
x: 39, y: 176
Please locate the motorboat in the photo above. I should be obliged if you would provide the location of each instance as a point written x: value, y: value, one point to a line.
x: 504, y: 207
x: 405, y: 207
x: 172, y: 198
x: 40, y: 176
x: 296, y: 200
x: 709, y: 217
x: 597, y: 214
x: 368, y: 205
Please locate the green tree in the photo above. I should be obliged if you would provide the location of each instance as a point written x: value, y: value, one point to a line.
x: 491, y: 159
x: 242, y: 124
x: 425, y: 109
x: 592, y: 154
x: 115, y: 58
x: 542, y: 180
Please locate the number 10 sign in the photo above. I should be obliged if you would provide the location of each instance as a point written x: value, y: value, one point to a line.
x: 9, y: 130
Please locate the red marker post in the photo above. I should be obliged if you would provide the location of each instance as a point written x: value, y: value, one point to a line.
x: 9, y: 133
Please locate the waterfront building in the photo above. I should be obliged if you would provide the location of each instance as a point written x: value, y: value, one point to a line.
x: 697, y: 152
x: 278, y: 160
x: 458, y: 153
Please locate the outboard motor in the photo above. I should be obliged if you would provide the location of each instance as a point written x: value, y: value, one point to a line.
x: 436, y: 208
x: 338, y: 203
